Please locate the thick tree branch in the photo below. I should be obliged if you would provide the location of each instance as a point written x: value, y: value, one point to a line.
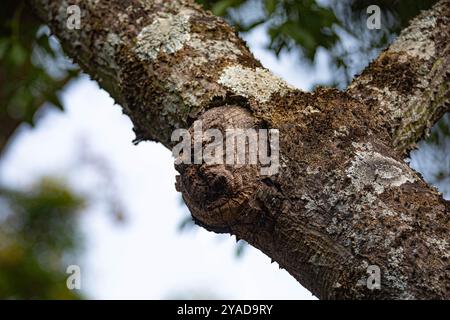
x: 343, y: 198
x: 161, y: 60
x: 409, y: 83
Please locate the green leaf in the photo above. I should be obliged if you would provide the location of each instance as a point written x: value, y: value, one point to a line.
x: 220, y: 8
x: 4, y: 44
x: 18, y: 54
x: 53, y: 98
x: 240, y: 248
x: 270, y: 5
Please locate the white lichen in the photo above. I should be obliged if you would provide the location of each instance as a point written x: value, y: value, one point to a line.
x: 401, y: 215
x: 390, y: 101
x: 210, y: 50
x: 417, y: 41
x: 341, y: 132
x: 167, y: 33
x: 202, y: 54
x: 370, y: 168
x: 257, y: 83
x: 312, y: 170
x: 394, y: 276
x: 439, y: 244
x: 308, y: 110
x: 107, y: 50
x: 396, y: 257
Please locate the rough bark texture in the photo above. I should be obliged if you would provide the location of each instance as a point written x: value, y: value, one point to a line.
x: 343, y: 198
x: 409, y: 84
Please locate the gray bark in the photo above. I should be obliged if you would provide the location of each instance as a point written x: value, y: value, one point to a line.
x: 343, y: 199
x: 409, y: 82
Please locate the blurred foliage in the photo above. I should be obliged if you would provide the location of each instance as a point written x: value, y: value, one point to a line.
x: 307, y: 25
x: 441, y: 131
x: 440, y: 138
x: 290, y: 23
x: 433, y: 156
x: 38, y: 238
x: 32, y: 68
x: 38, y: 230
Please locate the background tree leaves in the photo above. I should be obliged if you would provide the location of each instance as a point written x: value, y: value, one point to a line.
x: 309, y: 25
x: 38, y: 238
x: 33, y: 68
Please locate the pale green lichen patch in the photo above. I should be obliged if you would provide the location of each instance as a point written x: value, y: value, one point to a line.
x: 417, y: 42
x: 439, y: 244
x: 215, y: 49
x: 394, y: 275
x: 167, y: 33
x: 370, y: 168
x: 204, y: 55
x: 107, y: 50
x: 256, y: 83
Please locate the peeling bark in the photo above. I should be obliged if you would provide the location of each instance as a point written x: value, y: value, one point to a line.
x: 343, y: 199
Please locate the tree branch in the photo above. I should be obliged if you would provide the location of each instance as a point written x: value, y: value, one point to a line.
x: 409, y: 83
x: 161, y: 60
x: 343, y: 198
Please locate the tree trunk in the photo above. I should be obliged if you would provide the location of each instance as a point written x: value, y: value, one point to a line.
x: 343, y: 199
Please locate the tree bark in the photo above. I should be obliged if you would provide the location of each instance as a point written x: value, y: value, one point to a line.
x: 408, y: 84
x: 343, y: 198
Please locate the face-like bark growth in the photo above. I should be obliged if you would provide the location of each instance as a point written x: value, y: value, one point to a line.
x: 343, y: 199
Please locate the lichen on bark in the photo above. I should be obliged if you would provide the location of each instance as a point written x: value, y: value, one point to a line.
x: 167, y: 33
x: 409, y: 83
x: 343, y: 198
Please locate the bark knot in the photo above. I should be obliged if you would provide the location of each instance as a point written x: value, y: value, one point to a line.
x: 217, y: 194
